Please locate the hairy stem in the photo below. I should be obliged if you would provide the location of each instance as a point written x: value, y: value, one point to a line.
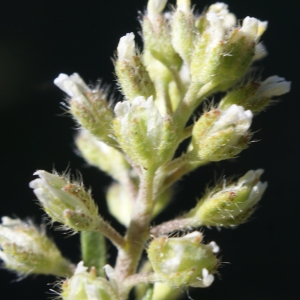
x: 170, y: 226
x: 111, y: 234
x: 138, y: 231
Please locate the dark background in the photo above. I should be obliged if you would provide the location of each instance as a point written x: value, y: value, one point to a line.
x: 40, y: 39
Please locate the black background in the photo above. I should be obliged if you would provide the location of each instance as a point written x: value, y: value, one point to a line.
x: 40, y: 39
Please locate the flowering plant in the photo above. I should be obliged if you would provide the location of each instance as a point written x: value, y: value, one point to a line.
x: 187, y: 58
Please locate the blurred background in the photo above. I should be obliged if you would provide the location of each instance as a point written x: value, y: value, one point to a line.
x: 40, y: 39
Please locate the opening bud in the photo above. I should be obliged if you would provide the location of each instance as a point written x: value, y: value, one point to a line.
x: 220, y: 135
x: 25, y: 249
x: 132, y: 75
x: 208, y: 49
x: 256, y: 95
x: 229, y: 205
x: 239, y: 51
x: 85, y: 285
x: 184, y: 261
x: 183, y: 30
x: 145, y: 136
x: 89, y: 107
x: 65, y: 201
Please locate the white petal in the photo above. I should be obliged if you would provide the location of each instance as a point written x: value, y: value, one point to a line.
x: 215, y: 248
x: 126, y: 48
x: 80, y: 268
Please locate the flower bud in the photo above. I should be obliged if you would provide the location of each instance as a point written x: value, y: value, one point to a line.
x: 89, y: 107
x: 208, y: 49
x: 26, y: 249
x: 184, y: 261
x: 220, y: 135
x: 239, y: 51
x: 183, y: 30
x: 85, y: 285
x: 256, y: 95
x: 99, y: 154
x: 65, y: 201
x: 131, y: 72
x: 157, y: 35
x: 144, y: 135
x: 155, y: 7
x: 229, y: 205
x: 221, y: 9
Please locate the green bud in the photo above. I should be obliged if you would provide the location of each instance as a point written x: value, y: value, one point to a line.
x: 220, y: 135
x: 144, y: 135
x: 229, y: 205
x: 131, y: 72
x: 66, y: 202
x: 26, y: 249
x: 85, y: 285
x: 184, y: 261
x: 157, y: 38
x: 208, y: 50
x: 99, y: 154
x: 183, y: 30
x: 256, y: 95
x: 239, y: 51
x: 89, y: 107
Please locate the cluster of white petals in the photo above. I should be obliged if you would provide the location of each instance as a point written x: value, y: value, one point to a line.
x: 234, y: 115
x: 72, y: 85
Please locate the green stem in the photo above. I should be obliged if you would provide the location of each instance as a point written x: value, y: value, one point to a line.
x: 93, y: 250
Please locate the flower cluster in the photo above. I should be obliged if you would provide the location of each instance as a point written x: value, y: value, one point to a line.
x: 186, y: 59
